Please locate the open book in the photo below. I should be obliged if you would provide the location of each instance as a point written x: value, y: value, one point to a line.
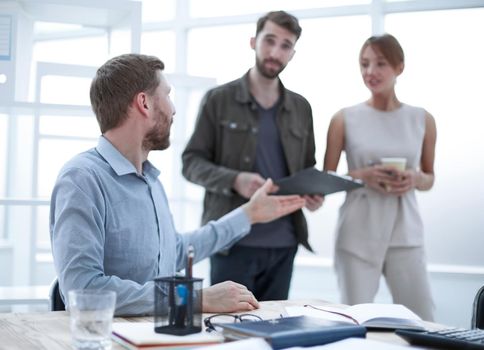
x: 141, y: 335
x: 387, y: 316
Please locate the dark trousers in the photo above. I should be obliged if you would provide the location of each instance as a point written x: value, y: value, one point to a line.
x: 266, y: 272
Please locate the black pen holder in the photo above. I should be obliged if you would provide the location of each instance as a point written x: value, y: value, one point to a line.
x: 178, y: 305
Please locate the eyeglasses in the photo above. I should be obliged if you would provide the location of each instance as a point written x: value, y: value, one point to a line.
x: 212, y: 322
x: 333, y: 312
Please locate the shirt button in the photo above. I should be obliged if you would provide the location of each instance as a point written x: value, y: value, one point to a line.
x: 254, y: 130
x: 226, y: 191
x: 247, y: 159
x: 232, y: 125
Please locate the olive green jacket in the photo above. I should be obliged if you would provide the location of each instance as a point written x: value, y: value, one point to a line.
x: 224, y: 144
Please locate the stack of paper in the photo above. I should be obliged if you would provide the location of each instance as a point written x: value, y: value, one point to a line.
x: 356, y: 344
x: 246, y: 344
x: 141, y: 335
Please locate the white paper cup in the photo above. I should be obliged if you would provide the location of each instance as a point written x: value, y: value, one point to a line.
x: 398, y: 163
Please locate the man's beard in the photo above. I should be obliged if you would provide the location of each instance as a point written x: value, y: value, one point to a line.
x: 268, y: 73
x: 158, y: 138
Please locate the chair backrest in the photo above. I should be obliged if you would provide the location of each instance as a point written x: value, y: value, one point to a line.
x: 56, y: 303
x: 478, y: 310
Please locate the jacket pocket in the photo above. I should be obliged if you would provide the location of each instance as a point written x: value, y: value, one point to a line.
x: 295, y: 147
x: 234, y: 144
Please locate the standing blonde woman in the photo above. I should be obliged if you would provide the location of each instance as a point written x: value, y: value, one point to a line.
x: 380, y: 231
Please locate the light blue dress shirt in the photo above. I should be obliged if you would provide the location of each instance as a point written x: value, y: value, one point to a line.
x: 112, y: 229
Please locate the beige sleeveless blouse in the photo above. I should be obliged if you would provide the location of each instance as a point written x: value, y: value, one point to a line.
x: 370, y: 221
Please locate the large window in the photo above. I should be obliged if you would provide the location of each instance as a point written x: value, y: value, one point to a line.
x: 214, y: 8
x: 204, y: 43
x: 444, y: 74
x: 162, y: 45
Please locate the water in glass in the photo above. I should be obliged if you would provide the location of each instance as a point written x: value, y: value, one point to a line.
x: 91, y: 318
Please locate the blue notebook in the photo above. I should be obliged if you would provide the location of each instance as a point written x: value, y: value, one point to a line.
x: 293, y: 331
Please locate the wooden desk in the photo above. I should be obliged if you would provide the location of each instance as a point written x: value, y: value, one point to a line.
x: 50, y: 330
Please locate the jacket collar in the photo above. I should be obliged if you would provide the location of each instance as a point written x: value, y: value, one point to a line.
x: 243, y: 95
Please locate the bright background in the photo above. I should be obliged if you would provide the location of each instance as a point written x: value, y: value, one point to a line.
x: 205, y: 43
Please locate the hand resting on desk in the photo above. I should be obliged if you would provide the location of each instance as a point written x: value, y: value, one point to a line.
x: 228, y: 296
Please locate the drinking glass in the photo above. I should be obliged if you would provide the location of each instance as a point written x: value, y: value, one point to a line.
x: 91, y: 318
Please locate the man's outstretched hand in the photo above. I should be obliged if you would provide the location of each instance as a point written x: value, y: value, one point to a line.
x: 262, y: 207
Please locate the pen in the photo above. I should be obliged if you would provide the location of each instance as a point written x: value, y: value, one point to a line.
x: 190, y: 256
x: 189, y: 276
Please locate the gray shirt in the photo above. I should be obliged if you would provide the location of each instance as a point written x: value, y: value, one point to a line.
x: 112, y: 229
x: 270, y: 162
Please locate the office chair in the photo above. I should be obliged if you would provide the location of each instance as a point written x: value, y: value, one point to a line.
x: 478, y: 310
x: 56, y: 303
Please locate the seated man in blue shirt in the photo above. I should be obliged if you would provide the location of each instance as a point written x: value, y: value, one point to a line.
x: 110, y: 223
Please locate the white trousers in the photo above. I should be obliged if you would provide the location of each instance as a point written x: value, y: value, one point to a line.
x: 405, y: 272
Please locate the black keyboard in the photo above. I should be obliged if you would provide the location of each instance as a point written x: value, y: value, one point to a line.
x: 450, y: 338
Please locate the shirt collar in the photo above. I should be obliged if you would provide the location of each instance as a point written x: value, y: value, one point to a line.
x: 119, y: 163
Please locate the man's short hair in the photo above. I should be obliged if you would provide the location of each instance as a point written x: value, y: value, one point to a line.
x: 116, y: 84
x: 282, y: 19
